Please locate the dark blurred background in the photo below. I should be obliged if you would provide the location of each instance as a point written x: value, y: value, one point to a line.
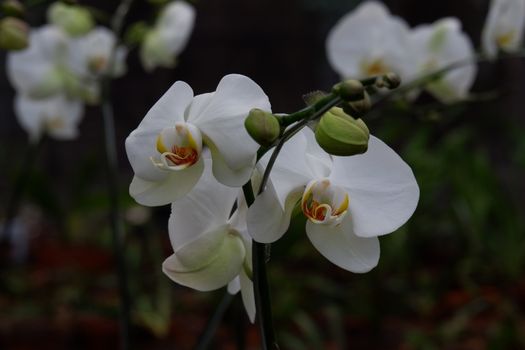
x: 451, y: 278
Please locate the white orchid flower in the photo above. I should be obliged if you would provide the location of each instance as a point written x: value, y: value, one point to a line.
x: 55, y: 116
x: 504, y: 26
x: 211, y: 248
x: 170, y: 35
x: 370, y: 41
x: 165, y: 150
x: 90, y: 55
x: 43, y: 69
x: 348, y: 201
x: 438, y: 45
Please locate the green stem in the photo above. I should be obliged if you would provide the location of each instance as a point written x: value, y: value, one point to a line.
x: 117, y: 228
x: 213, y: 323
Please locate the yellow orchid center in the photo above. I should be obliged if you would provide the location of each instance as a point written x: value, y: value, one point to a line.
x: 376, y: 67
x: 323, y: 203
x: 505, y: 39
x: 179, y: 146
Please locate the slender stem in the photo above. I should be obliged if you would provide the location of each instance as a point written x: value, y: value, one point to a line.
x: 117, y: 229
x: 18, y: 188
x: 213, y: 323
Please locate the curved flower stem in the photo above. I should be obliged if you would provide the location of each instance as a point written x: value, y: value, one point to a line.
x: 211, y: 327
x: 18, y: 187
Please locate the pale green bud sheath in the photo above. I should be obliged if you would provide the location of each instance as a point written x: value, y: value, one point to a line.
x: 262, y: 126
x: 14, y: 34
x: 349, y: 90
x: 339, y: 134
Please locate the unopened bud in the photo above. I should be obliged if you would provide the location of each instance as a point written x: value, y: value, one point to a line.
x: 340, y: 134
x: 14, y: 34
x: 12, y: 8
x: 262, y: 126
x: 358, y: 108
x: 74, y: 20
x: 349, y: 90
x: 390, y: 80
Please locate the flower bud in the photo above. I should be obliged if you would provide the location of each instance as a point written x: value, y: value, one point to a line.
x: 340, y: 134
x: 262, y: 126
x: 358, y: 108
x: 74, y: 20
x: 392, y: 80
x: 12, y: 8
x: 349, y: 90
x: 13, y: 34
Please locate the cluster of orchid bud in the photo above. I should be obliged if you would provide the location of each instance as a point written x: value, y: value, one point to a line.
x: 13, y: 30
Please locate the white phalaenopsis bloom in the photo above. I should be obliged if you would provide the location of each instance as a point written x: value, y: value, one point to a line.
x: 504, y: 26
x: 40, y: 70
x: 91, y: 54
x: 438, y: 45
x: 370, y: 41
x: 211, y: 248
x: 165, y: 150
x: 169, y: 36
x: 348, y: 201
x: 55, y: 116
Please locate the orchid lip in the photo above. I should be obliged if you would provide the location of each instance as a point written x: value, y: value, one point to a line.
x: 179, y: 147
x: 323, y: 203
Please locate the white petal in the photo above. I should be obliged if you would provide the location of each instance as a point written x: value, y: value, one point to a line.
x: 220, y: 268
x: 208, y: 204
x: 382, y: 188
x: 267, y: 220
x: 173, y: 186
x: 141, y: 143
x: 505, y: 17
x: 32, y: 71
x: 225, y: 175
x: 222, y: 121
x: 176, y: 24
x: 234, y: 286
x: 342, y: 247
x: 248, y: 296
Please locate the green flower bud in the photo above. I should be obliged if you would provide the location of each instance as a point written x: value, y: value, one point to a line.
x: 358, y: 108
x: 340, y: 134
x: 12, y: 8
x: 74, y: 20
x: 349, y: 90
x: 392, y: 80
x: 14, y: 34
x: 262, y: 126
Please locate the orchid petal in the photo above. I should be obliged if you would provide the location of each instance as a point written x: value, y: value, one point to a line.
x: 342, y: 247
x: 172, y: 186
x: 382, y: 188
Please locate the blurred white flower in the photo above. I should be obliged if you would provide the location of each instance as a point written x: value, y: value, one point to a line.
x: 438, y: 45
x: 90, y: 55
x: 169, y: 36
x: 348, y: 201
x: 211, y: 249
x: 56, y: 116
x: 504, y: 26
x: 370, y: 41
x: 165, y: 150
x: 44, y: 68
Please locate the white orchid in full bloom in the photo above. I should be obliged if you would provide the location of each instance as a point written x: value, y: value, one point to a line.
x: 91, y: 54
x: 169, y: 36
x: 504, y: 26
x: 211, y: 248
x: 165, y: 151
x: 55, y: 116
x: 370, y: 41
x: 438, y: 45
x: 348, y: 201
